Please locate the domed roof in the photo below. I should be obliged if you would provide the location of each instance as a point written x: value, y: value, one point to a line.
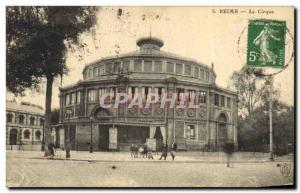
x: 150, y: 47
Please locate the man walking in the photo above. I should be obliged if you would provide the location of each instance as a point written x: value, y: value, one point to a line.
x: 173, y: 150
x: 164, y: 152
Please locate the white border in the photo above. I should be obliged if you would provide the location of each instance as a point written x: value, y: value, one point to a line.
x: 113, y: 2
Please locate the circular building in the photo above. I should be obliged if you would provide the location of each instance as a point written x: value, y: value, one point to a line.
x: 87, y: 125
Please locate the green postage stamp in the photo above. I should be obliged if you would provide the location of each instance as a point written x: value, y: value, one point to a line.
x: 266, y: 43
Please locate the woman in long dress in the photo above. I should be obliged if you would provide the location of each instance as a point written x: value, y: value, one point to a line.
x: 266, y: 55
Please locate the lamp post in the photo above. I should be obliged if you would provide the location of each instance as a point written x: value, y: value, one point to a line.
x: 43, y: 141
x: 271, y: 123
x: 91, y: 142
x: 68, y: 149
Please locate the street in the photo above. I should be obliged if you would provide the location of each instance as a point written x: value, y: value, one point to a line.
x: 31, y: 169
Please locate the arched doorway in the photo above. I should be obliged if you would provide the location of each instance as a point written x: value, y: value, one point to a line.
x: 222, y: 130
x: 13, y: 136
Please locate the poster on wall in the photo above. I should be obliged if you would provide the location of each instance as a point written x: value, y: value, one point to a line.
x: 151, y: 144
x: 113, y: 138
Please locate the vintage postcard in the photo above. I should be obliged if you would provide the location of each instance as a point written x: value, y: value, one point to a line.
x: 199, y: 97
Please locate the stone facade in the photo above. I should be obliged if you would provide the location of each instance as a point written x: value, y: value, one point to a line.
x: 24, y: 126
x: 148, y: 70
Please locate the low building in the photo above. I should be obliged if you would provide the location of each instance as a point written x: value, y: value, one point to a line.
x: 24, y: 126
x: 85, y: 124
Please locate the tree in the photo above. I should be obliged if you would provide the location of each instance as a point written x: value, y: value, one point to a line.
x: 37, y: 39
x: 256, y: 137
x: 252, y: 89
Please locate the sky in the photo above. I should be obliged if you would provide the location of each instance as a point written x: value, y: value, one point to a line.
x: 200, y: 33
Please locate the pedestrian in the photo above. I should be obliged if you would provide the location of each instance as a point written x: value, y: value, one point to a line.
x: 173, y: 150
x: 145, y: 153
x: 164, y: 152
x: 68, y: 150
x: 51, y: 149
x: 141, y: 151
x: 150, y: 154
x: 228, y: 150
x: 132, y: 150
x: 136, y: 151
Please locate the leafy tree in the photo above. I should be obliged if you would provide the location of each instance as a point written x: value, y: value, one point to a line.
x: 248, y: 85
x: 256, y: 137
x: 37, y: 39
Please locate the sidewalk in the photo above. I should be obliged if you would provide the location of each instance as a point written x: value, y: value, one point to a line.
x: 184, y: 157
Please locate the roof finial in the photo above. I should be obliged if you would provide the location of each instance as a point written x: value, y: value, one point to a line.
x: 212, y: 65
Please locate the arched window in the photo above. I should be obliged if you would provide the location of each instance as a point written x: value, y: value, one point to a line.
x: 9, y: 117
x: 38, y: 135
x: 13, y: 137
x: 222, y: 118
x: 21, y: 119
x: 26, y: 134
x: 32, y: 119
x: 42, y: 122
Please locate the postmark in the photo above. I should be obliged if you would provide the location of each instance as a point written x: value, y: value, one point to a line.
x: 266, y: 43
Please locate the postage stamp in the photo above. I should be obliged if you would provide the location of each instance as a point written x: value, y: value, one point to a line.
x: 266, y: 43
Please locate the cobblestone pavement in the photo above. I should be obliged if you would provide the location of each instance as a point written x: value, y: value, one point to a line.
x: 108, y: 169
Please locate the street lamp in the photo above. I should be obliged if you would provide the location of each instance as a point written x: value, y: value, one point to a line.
x: 271, y: 123
x: 91, y: 142
x: 43, y: 140
x: 68, y: 113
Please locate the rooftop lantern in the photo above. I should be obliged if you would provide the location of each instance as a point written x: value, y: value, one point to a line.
x: 150, y: 43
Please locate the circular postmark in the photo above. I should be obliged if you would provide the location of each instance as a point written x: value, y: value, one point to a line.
x: 266, y: 44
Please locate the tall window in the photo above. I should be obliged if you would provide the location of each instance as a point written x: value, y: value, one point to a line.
x: 137, y: 65
x: 109, y: 68
x: 148, y: 66
x: 160, y: 91
x: 228, y: 102
x: 179, y: 93
x: 91, y: 95
x: 190, y: 95
x: 179, y: 68
x: 91, y: 73
x: 146, y: 92
x: 26, y: 134
x: 96, y: 71
x: 222, y: 101
x: 77, y: 97
x: 113, y: 92
x: 190, y: 132
x: 202, y: 97
x: 21, y: 119
x: 73, y: 98
x: 187, y: 70
x: 132, y: 91
x: 196, y: 72
x: 201, y: 74
x: 42, y: 122
x: 158, y: 66
x: 102, y: 91
x: 67, y: 99
x: 117, y: 68
x: 170, y: 67
x: 9, y: 117
x: 38, y: 135
x: 101, y: 70
x: 206, y: 75
x: 32, y: 120
x: 217, y: 100
x: 126, y: 66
